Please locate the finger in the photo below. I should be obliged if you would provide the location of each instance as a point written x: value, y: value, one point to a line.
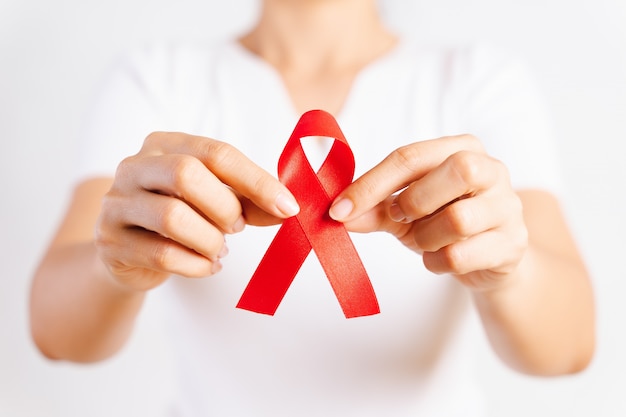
x: 186, y: 178
x: 256, y: 216
x: 492, y: 252
x: 151, y: 251
x: 396, y: 171
x: 173, y: 219
x: 462, y: 174
x: 465, y: 218
x: 377, y: 220
x: 232, y: 168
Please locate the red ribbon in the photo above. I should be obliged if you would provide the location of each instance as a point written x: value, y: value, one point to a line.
x: 313, y: 228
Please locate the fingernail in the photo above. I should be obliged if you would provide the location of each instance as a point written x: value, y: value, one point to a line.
x: 395, y: 212
x: 287, y: 205
x: 216, y: 267
x: 223, y: 252
x: 239, y: 225
x: 341, y: 209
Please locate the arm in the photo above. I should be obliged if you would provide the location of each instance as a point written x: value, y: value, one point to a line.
x: 165, y: 212
x: 512, y: 250
x: 77, y: 311
x: 544, y: 322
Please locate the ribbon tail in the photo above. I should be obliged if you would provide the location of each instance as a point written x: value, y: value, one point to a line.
x: 276, y: 272
x: 345, y: 271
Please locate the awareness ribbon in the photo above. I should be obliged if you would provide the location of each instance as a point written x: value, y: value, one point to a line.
x: 312, y: 227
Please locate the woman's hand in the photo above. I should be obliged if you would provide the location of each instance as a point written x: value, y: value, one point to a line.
x: 455, y: 206
x: 171, y: 205
x: 447, y: 199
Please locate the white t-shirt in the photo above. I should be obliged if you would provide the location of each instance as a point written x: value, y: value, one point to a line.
x: 416, y: 357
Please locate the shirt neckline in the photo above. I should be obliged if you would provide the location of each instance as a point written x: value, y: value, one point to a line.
x: 368, y: 72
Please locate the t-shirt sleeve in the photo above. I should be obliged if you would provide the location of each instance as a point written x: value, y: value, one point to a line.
x: 500, y: 103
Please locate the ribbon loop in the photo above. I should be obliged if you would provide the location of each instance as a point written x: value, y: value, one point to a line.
x: 313, y: 228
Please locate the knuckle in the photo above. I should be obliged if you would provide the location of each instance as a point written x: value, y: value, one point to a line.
x: 219, y: 153
x: 152, y: 140
x: 107, y: 221
x: 467, y: 166
x: 454, y: 259
x: 125, y: 167
x: 185, y: 170
x: 171, y: 215
x: 367, y: 187
x: 101, y: 230
x: 102, y: 238
x: 161, y: 255
x: 460, y: 220
x: 406, y: 157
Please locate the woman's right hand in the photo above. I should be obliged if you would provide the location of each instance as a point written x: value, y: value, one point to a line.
x: 171, y: 204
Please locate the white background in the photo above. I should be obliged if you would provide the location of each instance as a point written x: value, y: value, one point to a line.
x: 53, y: 52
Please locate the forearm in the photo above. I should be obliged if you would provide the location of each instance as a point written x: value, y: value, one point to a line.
x: 543, y: 322
x: 77, y: 312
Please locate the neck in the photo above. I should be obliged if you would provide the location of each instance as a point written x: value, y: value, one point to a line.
x: 318, y: 35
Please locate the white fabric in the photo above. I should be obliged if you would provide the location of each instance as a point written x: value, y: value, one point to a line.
x: 413, y: 359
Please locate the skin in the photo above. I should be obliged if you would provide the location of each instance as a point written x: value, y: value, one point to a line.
x: 446, y: 199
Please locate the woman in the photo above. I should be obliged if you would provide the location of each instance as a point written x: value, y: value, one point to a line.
x: 461, y: 220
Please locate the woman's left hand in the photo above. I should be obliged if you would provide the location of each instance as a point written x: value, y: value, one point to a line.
x: 447, y: 200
